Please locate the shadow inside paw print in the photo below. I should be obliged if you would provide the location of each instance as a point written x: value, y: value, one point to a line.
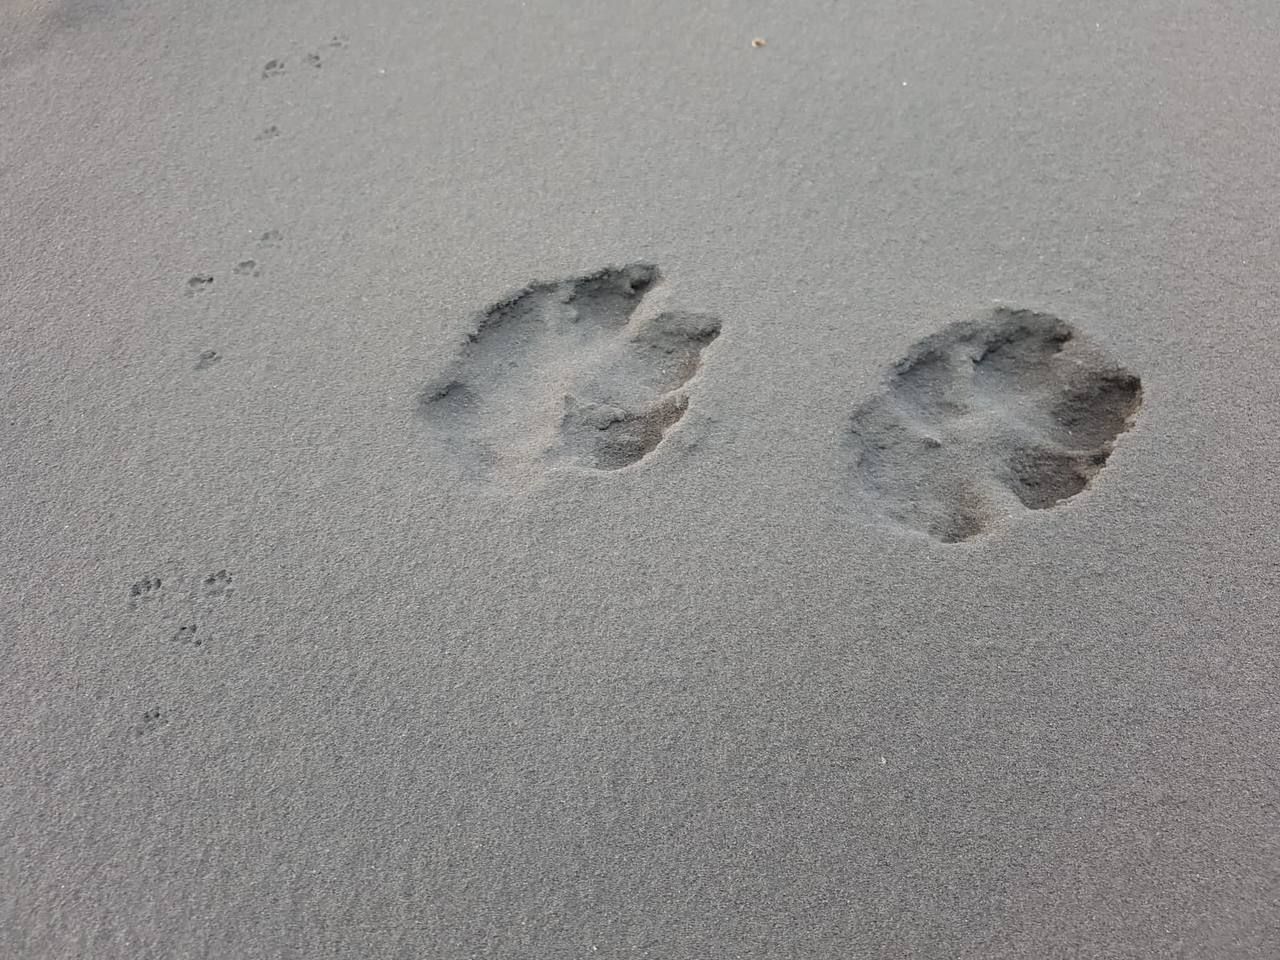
x: 567, y: 372
x: 988, y: 420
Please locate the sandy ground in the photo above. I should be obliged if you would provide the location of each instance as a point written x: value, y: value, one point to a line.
x: 291, y: 672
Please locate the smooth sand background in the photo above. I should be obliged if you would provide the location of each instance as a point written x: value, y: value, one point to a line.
x: 707, y: 707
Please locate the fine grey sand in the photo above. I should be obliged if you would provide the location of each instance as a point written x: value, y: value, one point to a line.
x: 857, y: 540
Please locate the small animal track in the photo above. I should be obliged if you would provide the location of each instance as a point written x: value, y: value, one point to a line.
x: 247, y: 268
x: 186, y: 633
x: 207, y: 359
x: 152, y: 720
x: 191, y: 616
x: 146, y: 590
x: 276, y: 66
x: 268, y: 133
x: 217, y: 584
x: 989, y: 419
x: 198, y: 283
x: 566, y: 372
x: 270, y: 238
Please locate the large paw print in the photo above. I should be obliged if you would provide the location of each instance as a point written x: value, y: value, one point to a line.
x: 565, y: 373
x: 985, y: 420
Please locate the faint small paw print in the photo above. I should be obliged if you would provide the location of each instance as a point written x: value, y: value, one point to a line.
x: 248, y: 268
x: 199, y: 283
x: 218, y: 584
x: 187, y: 634
x: 144, y: 591
x: 272, y: 68
x: 152, y: 720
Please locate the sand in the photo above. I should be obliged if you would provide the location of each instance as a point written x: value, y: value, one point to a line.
x: 292, y: 671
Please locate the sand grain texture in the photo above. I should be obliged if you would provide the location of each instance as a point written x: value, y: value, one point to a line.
x: 631, y: 654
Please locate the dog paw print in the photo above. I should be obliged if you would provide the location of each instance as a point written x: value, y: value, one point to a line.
x: 272, y: 68
x: 247, y: 268
x: 566, y: 373
x: 988, y: 420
